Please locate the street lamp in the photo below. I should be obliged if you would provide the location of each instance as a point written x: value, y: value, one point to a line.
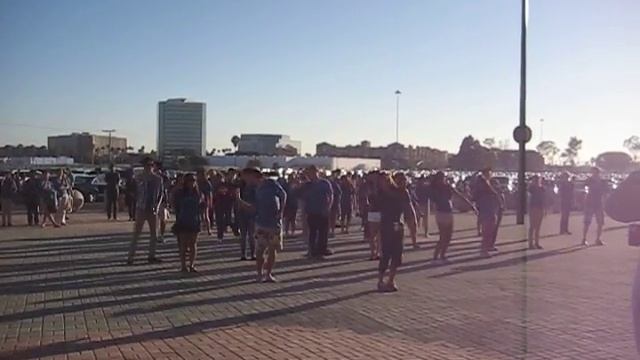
x: 541, y: 130
x: 398, y: 93
x: 110, y: 131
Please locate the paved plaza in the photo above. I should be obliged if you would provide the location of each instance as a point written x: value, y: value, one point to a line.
x: 66, y: 294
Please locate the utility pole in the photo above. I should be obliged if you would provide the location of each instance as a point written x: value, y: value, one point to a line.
x: 110, y: 131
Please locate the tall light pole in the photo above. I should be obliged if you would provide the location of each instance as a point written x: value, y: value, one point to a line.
x: 398, y: 93
x: 541, y: 130
x: 522, y: 133
x: 110, y: 131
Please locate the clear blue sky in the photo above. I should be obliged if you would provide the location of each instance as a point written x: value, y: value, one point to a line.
x: 321, y: 70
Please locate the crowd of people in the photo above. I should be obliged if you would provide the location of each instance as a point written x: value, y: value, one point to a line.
x: 261, y: 208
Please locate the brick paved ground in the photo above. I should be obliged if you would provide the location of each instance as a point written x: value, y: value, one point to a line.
x: 70, y: 297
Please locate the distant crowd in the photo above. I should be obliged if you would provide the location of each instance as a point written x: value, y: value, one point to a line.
x: 260, y: 208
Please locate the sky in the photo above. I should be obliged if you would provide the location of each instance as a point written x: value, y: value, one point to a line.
x: 322, y: 70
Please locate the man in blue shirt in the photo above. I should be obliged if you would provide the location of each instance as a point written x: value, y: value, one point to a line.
x: 268, y: 206
x: 318, y: 199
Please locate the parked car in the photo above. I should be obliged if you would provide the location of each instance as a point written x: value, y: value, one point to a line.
x: 92, y: 187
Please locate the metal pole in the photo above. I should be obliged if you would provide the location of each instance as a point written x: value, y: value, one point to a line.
x: 109, y: 132
x: 541, y: 130
x: 522, y: 186
x: 398, y: 116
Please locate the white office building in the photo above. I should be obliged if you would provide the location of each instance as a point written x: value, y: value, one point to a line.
x: 182, y: 127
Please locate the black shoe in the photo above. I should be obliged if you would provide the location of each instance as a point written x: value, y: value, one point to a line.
x: 244, y: 258
x: 328, y: 252
x: 129, y: 262
x: 154, y: 260
x: 253, y: 258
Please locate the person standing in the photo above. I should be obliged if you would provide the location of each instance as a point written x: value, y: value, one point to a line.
x: 130, y: 189
x: 112, y: 192
x: 593, y: 206
x: 487, y: 201
x: 186, y: 200
x: 337, y: 200
x: 422, y: 189
x: 149, y: 196
x: 440, y: 193
x: 62, y: 187
x: 8, y: 192
x: 206, y: 189
x: 371, y: 193
x: 31, y: 192
x: 49, y: 200
x: 223, y: 203
x: 566, y: 190
x: 502, y: 200
x: 270, y: 200
x: 346, y: 203
x: 246, y: 220
x: 318, y: 202
x: 291, y: 208
x: 397, y: 202
x: 537, y: 209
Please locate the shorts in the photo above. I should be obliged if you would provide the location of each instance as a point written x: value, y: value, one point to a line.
x: 267, y: 238
x: 373, y: 217
x: 392, y: 241
x: 589, y: 213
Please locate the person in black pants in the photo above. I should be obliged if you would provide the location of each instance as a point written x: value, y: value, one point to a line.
x: 223, y: 203
x: 318, y: 199
x: 566, y: 192
x: 31, y: 192
x: 130, y: 196
x: 112, y: 178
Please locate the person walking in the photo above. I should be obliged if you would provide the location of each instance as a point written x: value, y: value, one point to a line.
x: 62, y: 187
x: 318, y: 202
x: 441, y: 193
x: 112, y: 192
x: 270, y: 200
x: 566, y: 191
x: 537, y: 210
x: 594, y: 206
x: 8, y: 192
x: 372, y: 206
x: 31, y: 193
x: 422, y: 193
x: 186, y: 199
x: 397, y: 203
x: 148, y: 198
x: 223, y: 203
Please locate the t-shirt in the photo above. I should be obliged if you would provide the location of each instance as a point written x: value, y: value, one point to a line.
x: 422, y: 193
x: 316, y: 196
x: 347, y: 194
x: 268, y: 196
x: 206, y: 189
x: 113, y: 180
x: 441, y: 198
x: 597, y: 189
x: 224, y: 194
x: 187, y: 209
x: 487, y: 201
x: 565, y: 190
x: 537, y: 196
x: 395, y: 201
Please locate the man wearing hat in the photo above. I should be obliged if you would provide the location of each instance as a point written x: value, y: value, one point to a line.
x: 148, y: 199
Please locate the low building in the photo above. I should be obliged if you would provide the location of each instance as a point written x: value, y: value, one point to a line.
x: 293, y: 162
x: 268, y: 144
x: 18, y: 163
x: 84, y: 147
x: 393, y: 156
